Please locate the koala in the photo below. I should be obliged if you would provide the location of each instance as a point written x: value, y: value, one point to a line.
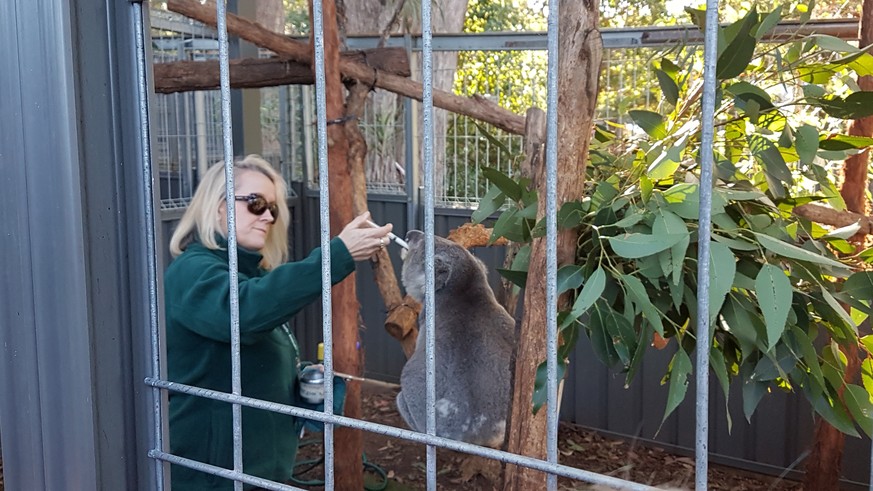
x: 474, y: 339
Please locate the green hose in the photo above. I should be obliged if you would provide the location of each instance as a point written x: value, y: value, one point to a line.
x: 303, y: 466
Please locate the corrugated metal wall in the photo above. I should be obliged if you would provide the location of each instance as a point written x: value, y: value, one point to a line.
x: 594, y: 396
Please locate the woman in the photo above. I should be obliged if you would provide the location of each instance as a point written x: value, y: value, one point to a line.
x: 270, y: 292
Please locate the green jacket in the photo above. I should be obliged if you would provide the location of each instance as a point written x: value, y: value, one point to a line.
x: 197, y: 293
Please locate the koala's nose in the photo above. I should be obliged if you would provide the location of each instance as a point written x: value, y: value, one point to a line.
x: 414, y: 236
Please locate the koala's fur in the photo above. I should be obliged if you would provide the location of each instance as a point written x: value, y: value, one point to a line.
x: 474, y: 339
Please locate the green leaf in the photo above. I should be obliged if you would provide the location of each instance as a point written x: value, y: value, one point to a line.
x: 831, y: 43
x: 668, y: 223
x: 810, y: 357
x: 831, y: 410
x: 843, y: 232
x: 719, y: 368
x: 665, y: 163
x: 504, y: 182
x: 668, y: 86
x: 570, y: 215
x: 640, y: 297
x: 629, y: 220
x: 770, y: 366
x: 792, y: 251
x: 651, y: 122
x: 570, y: 277
x: 858, y: 401
x: 860, y: 286
x: 541, y: 388
x: 601, y: 340
x: 518, y: 278
x: 591, y: 291
x: 493, y: 139
x: 490, y: 203
x: 855, y: 106
x: 774, y: 298
x: 839, y: 142
x: 769, y: 157
x: 838, y: 309
x: 867, y: 374
x: 723, y: 268
x: 753, y: 392
x: 680, y: 368
x: 769, y: 21
x: 806, y: 142
x: 636, y: 245
x: 741, y: 325
x: 684, y: 200
x: 738, y: 54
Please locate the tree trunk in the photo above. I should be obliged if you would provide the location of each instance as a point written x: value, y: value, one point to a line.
x: 348, y: 445
x: 825, y: 459
x: 579, y: 68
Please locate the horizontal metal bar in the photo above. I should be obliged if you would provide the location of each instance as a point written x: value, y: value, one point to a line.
x: 612, y: 37
x: 221, y: 471
x: 414, y: 436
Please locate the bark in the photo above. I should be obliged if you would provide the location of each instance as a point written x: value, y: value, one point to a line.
x: 579, y: 68
x: 346, y: 339
x: 534, y: 144
x: 475, y: 107
x: 825, y: 459
x: 270, y: 14
x: 836, y: 218
x: 249, y: 73
x: 402, y: 320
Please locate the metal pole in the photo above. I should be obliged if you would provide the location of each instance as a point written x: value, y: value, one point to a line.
x: 552, y: 245
x: 710, y: 55
x: 230, y: 203
x: 427, y: 108
x: 324, y: 214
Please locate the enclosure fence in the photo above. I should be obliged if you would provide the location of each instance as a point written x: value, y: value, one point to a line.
x: 190, y: 138
x: 430, y: 439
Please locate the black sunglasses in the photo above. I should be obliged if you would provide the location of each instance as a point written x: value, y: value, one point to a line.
x: 257, y: 205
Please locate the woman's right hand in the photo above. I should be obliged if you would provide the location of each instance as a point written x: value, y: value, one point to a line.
x: 362, y: 240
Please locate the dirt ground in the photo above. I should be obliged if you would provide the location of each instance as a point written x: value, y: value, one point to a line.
x: 401, y: 464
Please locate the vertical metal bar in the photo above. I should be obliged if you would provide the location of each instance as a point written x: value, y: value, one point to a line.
x: 427, y: 107
x: 552, y: 244
x: 227, y: 134
x: 151, y: 240
x: 324, y: 214
x: 710, y: 54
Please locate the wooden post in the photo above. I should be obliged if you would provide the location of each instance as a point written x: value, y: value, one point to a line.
x: 402, y: 320
x: 348, y: 445
x: 579, y: 69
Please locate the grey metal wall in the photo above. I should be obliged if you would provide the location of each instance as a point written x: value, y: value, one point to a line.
x: 74, y: 303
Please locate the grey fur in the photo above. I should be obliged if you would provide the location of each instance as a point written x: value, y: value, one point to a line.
x: 473, y: 346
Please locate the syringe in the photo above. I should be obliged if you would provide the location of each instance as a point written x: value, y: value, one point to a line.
x: 397, y: 240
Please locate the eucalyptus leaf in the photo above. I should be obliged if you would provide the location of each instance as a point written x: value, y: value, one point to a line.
x: 855, y: 106
x: 792, y: 251
x: 570, y: 277
x: 504, y: 182
x: 769, y: 157
x: 601, y: 340
x: 490, y: 203
x: 722, y: 270
x: 540, y: 394
x: 640, y: 297
x: 770, y: 20
x: 832, y: 410
x: 518, y: 278
x: 844, y: 232
x: 739, y: 52
x: 860, y: 286
x: 859, y: 405
x: 774, y: 297
x: 753, y: 392
x: 806, y: 142
x: 680, y: 368
x: 636, y: 245
x: 591, y: 291
x: 668, y: 86
x: 651, y: 122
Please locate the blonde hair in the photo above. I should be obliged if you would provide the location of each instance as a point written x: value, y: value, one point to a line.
x: 201, y: 220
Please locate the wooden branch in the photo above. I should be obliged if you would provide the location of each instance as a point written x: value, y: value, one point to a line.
x: 474, y: 107
x: 835, y: 218
x: 402, y: 320
x: 251, y: 73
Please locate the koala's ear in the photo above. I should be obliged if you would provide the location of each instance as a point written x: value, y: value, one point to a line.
x: 442, y: 271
